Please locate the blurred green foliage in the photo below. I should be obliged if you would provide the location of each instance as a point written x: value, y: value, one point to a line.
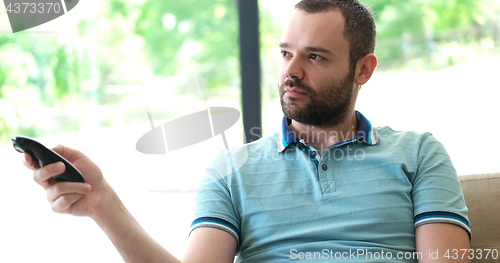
x: 129, y: 42
x: 409, y: 29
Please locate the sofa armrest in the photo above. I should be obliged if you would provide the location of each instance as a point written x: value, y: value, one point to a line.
x: 482, y: 197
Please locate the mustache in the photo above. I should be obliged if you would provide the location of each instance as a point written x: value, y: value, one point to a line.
x: 298, y: 84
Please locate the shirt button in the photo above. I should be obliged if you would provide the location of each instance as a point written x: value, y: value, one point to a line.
x: 324, y: 167
x: 314, y: 153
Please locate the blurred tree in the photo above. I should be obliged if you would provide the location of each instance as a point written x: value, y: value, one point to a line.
x: 410, y: 26
x: 129, y: 42
x: 119, y: 43
x: 205, y: 32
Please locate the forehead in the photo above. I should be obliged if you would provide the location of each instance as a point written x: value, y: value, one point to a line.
x: 322, y: 29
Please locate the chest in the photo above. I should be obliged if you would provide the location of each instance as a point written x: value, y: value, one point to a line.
x: 294, y: 199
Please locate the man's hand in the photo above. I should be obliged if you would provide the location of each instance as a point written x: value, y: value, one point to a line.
x: 80, y: 199
x: 95, y: 198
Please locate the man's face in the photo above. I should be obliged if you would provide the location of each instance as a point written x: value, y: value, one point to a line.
x: 315, y: 81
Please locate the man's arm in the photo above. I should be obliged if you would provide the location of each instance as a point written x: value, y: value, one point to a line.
x: 449, y: 240
x: 96, y: 199
x: 210, y: 245
x: 135, y: 245
x: 439, y: 204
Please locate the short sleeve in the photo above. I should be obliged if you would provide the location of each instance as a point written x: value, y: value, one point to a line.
x: 437, y: 193
x: 214, y: 206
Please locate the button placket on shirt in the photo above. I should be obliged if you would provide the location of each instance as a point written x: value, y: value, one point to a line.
x: 325, y: 167
x: 325, y: 174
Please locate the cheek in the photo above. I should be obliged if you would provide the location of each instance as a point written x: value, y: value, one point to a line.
x: 281, y: 74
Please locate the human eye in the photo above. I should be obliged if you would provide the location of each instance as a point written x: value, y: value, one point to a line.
x: 315, y: 57
x: 284, y: 53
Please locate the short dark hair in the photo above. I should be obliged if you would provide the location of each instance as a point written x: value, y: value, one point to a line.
x: 359, y: 29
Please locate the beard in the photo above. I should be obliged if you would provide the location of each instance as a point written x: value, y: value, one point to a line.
x: 328, y: 106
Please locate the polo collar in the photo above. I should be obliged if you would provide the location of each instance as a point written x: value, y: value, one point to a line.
x: 366, y: 133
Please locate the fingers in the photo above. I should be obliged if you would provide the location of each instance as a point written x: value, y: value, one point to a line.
x: 64, y: 202
x: 68, y: 153
x: 64, y: 188
x: 43, y: 175
x: 63, y: 195
x: 29, y: 163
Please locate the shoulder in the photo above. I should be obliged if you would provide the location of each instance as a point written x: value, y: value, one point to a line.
x: 413, y: 139
x: 417, y: 147
x: 389, y: 133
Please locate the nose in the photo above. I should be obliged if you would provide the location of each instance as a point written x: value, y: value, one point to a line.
x: 294, y: 69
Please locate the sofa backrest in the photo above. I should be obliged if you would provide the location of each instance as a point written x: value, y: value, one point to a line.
x: 482, y: 197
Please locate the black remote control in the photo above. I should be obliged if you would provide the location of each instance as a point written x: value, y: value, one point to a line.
x: 44, y: 156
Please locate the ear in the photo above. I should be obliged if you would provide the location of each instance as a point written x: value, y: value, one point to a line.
x: 365, y: 68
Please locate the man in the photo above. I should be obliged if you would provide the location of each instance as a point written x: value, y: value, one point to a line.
x: 327, y: 186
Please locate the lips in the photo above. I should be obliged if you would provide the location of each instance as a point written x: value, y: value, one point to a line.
x: 294, y: 92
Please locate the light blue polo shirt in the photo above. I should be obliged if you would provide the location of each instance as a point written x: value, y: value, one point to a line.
x: 360, y: 200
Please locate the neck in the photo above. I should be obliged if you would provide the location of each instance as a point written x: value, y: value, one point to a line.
x: 324, y: 137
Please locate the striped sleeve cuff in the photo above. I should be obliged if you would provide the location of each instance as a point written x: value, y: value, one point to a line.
x: 442, y: 217
x: 216, y: 223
